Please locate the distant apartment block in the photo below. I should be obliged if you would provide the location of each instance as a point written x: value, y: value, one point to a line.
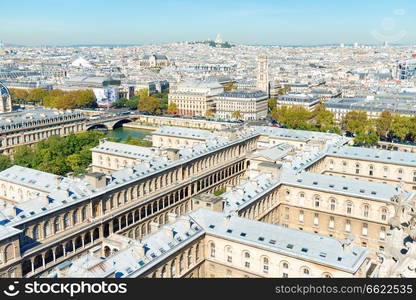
x: 195, y: 98
x: 252, y: 105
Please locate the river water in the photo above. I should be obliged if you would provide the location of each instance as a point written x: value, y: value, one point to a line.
x: 122, y: 133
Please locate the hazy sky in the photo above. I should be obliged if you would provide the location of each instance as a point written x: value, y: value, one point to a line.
x: 63, y: 22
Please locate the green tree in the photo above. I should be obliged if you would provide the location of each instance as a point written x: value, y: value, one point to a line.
x: 366, y: 139
x: 132, y: 103
x: 272, y: 103
x: 230, y: 86
x: 383, y: 123
x: 210, y: 113
x: 23, y: 156
x: 149, y: 104
x: 172, y: 108
x: 19, y: 94
x: 236, y: 115
x: 293, y: 117
x: 5, y: 162
x: 355, y: 121
x: 401, y: 126
x: 323, y: 118
x: 120, y: 103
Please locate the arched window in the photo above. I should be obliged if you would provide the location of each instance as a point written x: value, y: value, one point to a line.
x: 333, y: 204
x: 212, y: 249
x: 305, y: 272
x: 8, y: 253
x: 181, y: 264
x: 189, y: 257
x: 75, y: 217
x: 366, y: 210
x: 56, y: 224
x: 349, y: 207
x: 35, y: 232
x: 197, y: 252
x: 66, y: 221
x: 285, y: 269
x: 265, y: 265
x: 384, y: 214
x: 317, y: 202
x: 83, y: 213
x: 385, y: 172
x: 163, y: 272
x: 173, y: 268
x: 327, y: 275
x: 46, y: 229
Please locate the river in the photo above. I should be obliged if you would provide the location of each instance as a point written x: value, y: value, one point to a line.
x: 122, y: 133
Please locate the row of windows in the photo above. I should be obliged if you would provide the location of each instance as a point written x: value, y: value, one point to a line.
x: 372, y: 170
x: 333, y: 205
x: 347, y: 228
x: 264, y: 262
x: 58, y: 224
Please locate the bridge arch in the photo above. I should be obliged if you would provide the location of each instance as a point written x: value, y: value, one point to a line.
x: 98, y: 127
x: 120, y: 123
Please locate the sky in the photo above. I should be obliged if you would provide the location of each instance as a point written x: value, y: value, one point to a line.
x: 266, y: 22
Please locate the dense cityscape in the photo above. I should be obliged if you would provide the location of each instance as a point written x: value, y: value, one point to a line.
x: 208, y: 159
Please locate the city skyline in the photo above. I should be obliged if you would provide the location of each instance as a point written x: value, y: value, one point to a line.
x: 54, y: 22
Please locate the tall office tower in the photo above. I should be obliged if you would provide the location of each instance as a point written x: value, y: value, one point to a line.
x: 5, y: 99
x: 406, y: 70
x: 263, y: 74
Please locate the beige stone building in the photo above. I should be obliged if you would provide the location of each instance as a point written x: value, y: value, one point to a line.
x: 284, y: 212
x: 252, y: 105
x: 32, y: 126
x: 388, y: 167
x: 209, y: 244
x: 195, y: 98
x: 78, y: 214
x: 176, y: 137
x: 108, y: 156
x: 154, y: 61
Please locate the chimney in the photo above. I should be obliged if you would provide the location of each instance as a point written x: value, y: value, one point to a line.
x: 186, y: 220
x: 347, y: 244
x: 140, y: 249
x: 168, y: 230
x: 172, y: 154
x: 154, y: 227
x: 97, y: 180
x: 172, y: 217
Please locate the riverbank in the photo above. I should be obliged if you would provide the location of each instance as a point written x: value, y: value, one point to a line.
x: 140, y: 126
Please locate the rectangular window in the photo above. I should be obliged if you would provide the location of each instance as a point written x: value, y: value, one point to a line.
x: 331, y: 222
x: 301, y: 216
x: 364, y: 230
x: 348, y: 226
x: 382, y: 233
x: 316, y: 220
